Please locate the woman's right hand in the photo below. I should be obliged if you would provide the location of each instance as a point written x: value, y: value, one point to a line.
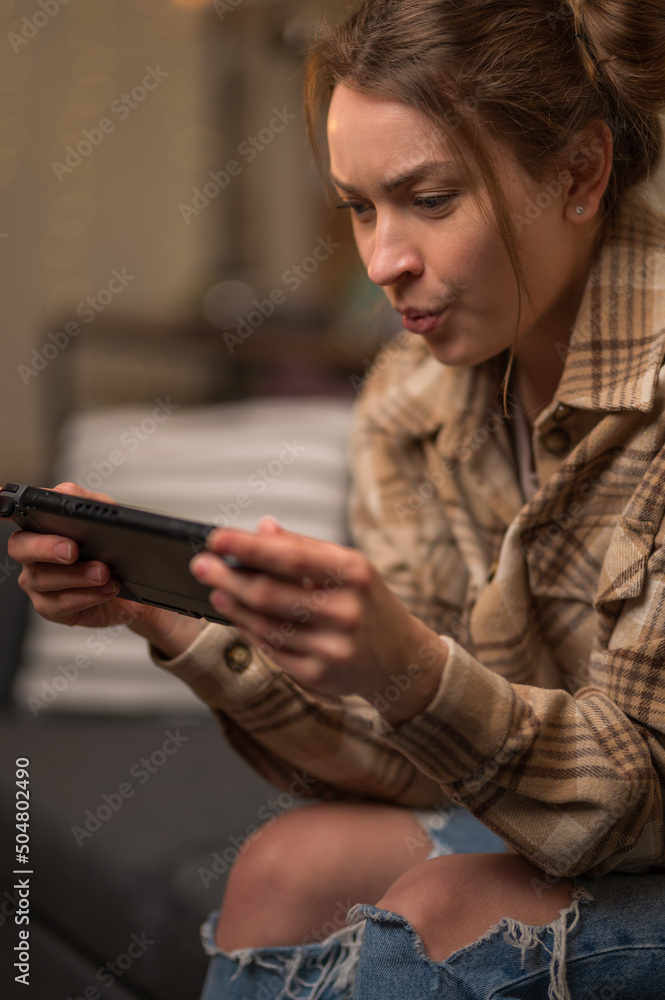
x: 69, y: 592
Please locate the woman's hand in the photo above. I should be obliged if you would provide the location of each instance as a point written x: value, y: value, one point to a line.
x: 324, y: 615
x: 69, y: 592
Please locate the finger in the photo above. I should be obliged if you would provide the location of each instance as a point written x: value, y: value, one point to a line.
x: 30, y: 547
x: 65, y: 606
x: 276, y: 598
x: 45, y: 577
x: 316, y: 668
x: 289, y: 555
x: 270, y: 634
x: 255, y: 589
x: 269, y: 526
x: 73, y: 489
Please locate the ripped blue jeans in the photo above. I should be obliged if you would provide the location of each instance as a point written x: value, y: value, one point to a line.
x: 609, y: 944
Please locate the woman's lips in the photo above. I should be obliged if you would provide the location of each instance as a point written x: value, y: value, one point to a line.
x: 421, y: 322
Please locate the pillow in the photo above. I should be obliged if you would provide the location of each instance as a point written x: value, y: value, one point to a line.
x: 229, y: 464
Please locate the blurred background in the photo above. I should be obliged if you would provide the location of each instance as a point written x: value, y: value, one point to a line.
x: 155, y: 182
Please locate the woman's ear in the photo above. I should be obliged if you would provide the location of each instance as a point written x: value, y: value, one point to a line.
x: 590, y: 166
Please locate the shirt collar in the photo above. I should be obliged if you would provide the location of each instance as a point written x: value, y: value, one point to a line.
x: 617, y: 344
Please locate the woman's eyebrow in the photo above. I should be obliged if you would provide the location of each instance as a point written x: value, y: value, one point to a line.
x: 438, y: 168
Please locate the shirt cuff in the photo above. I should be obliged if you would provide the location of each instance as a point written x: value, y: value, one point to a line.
x: 467, y: 721
x: 221, y: 668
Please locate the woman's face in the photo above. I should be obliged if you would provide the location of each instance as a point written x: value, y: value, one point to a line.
x: 423, y: 237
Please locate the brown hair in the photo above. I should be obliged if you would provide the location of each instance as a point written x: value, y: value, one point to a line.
x: 532, y: 74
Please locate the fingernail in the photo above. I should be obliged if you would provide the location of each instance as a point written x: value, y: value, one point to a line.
x: 201, y: 566
x: 94, y: 574
x: 63, y: 551
x: 269, y: 525
x: 109, y: 588
x: 219, y: 599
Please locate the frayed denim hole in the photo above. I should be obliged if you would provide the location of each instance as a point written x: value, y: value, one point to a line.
x: 378, y: 916
x: 525, y: 938
x: 335, y: 959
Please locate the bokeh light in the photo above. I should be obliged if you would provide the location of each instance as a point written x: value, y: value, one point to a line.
x: 225, y: 301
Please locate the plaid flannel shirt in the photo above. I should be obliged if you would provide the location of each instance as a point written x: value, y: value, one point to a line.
x: 549, y: 720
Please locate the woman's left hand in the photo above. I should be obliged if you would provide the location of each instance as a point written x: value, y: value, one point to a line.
x: 323, y: 614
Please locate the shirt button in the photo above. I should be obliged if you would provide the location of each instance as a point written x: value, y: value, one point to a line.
x: 237, y: 656
x: 562, y: 413
x: 556, y: 441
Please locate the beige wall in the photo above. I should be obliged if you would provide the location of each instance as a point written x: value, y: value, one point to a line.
x: 118, y: 208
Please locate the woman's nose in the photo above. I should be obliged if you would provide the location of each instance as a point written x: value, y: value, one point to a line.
x: 392, y: 256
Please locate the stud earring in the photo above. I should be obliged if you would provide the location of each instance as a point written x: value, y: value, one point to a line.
x: 580, y: 209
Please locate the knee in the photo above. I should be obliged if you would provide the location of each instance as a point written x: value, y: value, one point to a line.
x: 277, y: 860
x: 429, y: 892
x: 453, y: 900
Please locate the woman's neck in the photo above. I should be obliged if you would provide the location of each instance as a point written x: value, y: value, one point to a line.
x: 541, y: 354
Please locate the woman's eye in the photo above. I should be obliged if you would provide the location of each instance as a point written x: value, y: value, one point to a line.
x: 359, y: 208
x: 434, y: 201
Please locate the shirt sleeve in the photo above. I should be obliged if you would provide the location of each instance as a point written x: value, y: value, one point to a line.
x: 285, y: 732
x: 572, y: 782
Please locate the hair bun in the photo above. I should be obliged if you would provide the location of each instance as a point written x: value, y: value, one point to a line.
x: 626, y: 39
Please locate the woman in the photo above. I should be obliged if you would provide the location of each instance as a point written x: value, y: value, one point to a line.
x: 498, y: 646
